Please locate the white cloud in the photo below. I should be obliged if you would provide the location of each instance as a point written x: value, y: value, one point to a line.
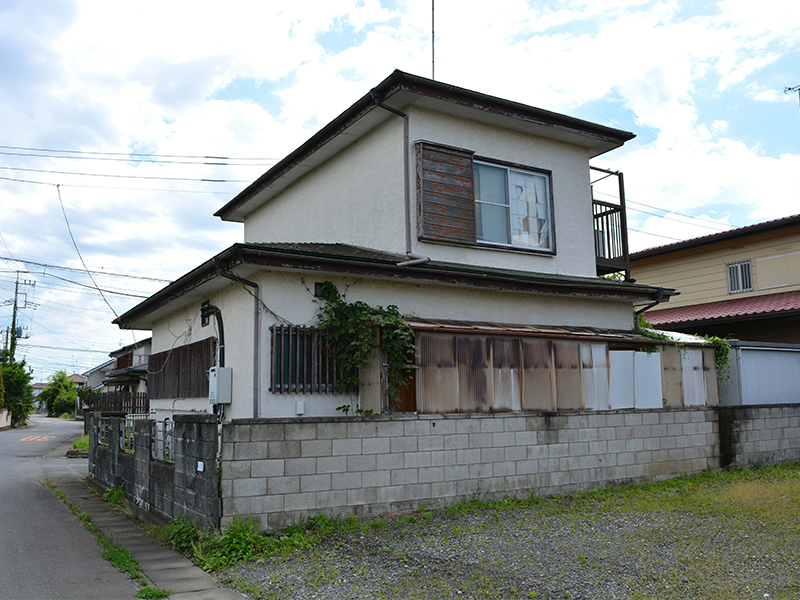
x: 162, y: 77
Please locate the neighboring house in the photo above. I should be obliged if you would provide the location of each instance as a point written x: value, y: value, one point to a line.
x: 38, y: 388
x: 78, y: 380
x: 472, y: 214
x: 96, y: 375
x: 128, y: 373
x: 743, y: 283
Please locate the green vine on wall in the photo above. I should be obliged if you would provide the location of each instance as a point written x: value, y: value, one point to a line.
x: 356, y: 328
x: 722, y: 348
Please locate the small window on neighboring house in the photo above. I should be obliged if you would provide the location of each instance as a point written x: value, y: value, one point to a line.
x: 303, y: 361
x: 739, y: 279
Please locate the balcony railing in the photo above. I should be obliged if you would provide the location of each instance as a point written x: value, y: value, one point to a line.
x: 610, y: 226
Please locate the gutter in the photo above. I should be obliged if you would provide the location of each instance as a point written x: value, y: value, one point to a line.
x: 414, y: 259
x: 256, y: 328
x: 659, y: 296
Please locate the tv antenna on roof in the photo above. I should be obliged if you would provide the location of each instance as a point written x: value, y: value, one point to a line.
x: 433, y: 42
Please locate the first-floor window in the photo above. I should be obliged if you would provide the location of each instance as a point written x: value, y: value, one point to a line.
x: 512, y: 207
x: 739, y: 279
x: 303, y: 361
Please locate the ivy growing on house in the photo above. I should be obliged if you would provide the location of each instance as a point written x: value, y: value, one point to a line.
x: 722, y: 348
x: 356, y: 328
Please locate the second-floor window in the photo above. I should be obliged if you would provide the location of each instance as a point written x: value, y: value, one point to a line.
x: 465, y: 199
x: 739, y: 279
x: 512, y: 207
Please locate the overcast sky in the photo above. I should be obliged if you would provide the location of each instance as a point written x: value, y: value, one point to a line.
x: 114, y: 101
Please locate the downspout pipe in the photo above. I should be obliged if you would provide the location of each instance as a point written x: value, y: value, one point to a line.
x: 414, y: 259
x: 256, y: 328
x: 210, y: 309
x: 659, y: 296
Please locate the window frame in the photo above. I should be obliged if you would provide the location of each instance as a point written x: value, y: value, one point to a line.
x: 446, y: 206
x: 524, y: 169
x: 302, y: 361
x: 743, y: 271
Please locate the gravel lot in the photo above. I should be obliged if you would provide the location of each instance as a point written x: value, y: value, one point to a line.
x: 747, y: 545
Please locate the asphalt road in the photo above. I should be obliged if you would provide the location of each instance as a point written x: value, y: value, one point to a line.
x: 45, y: 552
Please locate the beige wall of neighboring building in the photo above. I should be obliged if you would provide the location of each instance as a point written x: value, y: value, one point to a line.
x: 700, y: 274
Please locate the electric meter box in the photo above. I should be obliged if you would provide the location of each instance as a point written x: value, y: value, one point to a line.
x: 219, y: 385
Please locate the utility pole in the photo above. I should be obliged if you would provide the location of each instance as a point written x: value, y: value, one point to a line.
x: 17, y: 332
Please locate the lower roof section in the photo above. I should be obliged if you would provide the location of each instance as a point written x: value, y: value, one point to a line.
x: 245, y: 260
x: 614, y: 338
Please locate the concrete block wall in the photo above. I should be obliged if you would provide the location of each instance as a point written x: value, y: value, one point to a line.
x: 283, y: 470
x: 759, y: 435
x: 161, y: 490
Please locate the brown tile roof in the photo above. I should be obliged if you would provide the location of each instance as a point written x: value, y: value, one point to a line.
x: 737, y: 308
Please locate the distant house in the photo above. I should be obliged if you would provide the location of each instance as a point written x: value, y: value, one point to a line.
x: 128, y: 372
x: 96, y: 375
x: 472, y: 214
x: 743, y: 283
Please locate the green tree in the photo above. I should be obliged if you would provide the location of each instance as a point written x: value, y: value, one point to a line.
x: 2, y: 389
x: 59, y: 397
x: 18, y: 390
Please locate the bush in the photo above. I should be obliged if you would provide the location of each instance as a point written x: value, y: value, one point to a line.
x: 18, y: 390
x: 59, y: 398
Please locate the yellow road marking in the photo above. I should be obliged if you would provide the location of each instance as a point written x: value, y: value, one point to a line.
x: 38, y: 438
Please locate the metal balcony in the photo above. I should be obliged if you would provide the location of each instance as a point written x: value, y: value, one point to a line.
x: 610, y: 225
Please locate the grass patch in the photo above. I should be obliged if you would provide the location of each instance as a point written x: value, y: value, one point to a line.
x: 718, y: 535
x: 114, y: 495
x: 81, y: 443
x: 118, y: 556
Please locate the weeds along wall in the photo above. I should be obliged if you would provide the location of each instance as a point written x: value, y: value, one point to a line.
x: 284, y: 470
x: 186, y: 484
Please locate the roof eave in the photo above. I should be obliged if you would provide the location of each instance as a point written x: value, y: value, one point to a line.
x: 207, y: 279
x: 603, y: 139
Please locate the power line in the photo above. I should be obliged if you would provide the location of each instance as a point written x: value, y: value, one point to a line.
x: 111, y: 187
x: 204, y: 157
x: 67, y: 349
x: 140, y: 160
x: 204, y: 180
x: 47, y: 266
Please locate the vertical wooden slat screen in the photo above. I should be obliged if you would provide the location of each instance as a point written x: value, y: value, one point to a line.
x: 182, y: 371
x: 445, y: 192
x: 303, y: 361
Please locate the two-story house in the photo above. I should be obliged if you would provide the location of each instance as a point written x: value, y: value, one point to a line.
x: 743, y: 283
x: 471, y: 214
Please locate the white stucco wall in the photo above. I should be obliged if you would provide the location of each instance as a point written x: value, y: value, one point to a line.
x: 354, y: 198
x: 357, y: 196
x: 290, y: 296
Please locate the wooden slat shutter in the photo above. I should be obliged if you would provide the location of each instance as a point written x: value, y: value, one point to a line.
x: 181, y: 372
x: 446, y: 196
